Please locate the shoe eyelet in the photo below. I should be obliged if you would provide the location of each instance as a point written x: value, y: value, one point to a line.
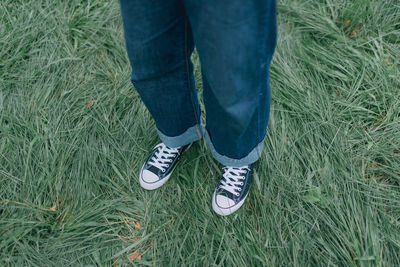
x: 237, y: 194
x: 167, y: 165
x: 241, y: 183
x: 240, y: 189
x: 163, y: 170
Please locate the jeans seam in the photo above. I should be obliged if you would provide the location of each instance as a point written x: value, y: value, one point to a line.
x: 188, y: 75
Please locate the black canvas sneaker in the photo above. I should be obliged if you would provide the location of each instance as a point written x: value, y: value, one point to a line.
x: 232, y: 189
x: 159, y: 165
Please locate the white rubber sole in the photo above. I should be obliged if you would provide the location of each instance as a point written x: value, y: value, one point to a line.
x: 227, y: 211
x: 155, y: 185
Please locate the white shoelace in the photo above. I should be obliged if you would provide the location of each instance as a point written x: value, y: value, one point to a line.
x: 233, y: 179
x: 163, y: 157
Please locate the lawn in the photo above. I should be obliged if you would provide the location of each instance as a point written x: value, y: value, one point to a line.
x: 74, y: 134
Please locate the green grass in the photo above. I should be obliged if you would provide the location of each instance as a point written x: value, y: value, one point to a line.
x: 326, y: 192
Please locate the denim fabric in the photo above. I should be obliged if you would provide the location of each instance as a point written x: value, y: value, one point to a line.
x: 235, y: 41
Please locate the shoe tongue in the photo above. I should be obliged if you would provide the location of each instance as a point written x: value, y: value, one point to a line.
x: 234, y: 172
x: 170, y: 151
x: 231, y: 179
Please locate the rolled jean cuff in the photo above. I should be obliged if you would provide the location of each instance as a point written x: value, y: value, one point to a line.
x: 252, y: 157
x: 191, y: 135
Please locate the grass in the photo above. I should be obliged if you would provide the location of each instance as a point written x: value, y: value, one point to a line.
x: 326, y: 192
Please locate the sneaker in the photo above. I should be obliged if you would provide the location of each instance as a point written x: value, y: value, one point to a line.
x: 232, y: 190
x: 159, y: 165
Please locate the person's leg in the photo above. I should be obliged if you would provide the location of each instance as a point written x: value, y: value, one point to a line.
x: 159, y: 44
x: 235, y: 40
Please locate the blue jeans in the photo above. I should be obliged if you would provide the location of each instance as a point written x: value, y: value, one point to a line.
x: 235, y: 40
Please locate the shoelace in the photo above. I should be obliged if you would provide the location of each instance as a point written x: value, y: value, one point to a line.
x: 163, y: 157
x: 233, y: 179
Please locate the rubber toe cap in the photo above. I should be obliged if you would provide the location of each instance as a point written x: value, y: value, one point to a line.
x: 149, y: 177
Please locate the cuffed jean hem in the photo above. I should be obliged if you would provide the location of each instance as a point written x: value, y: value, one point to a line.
x: 252, y: 157
x: 191, y: 135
